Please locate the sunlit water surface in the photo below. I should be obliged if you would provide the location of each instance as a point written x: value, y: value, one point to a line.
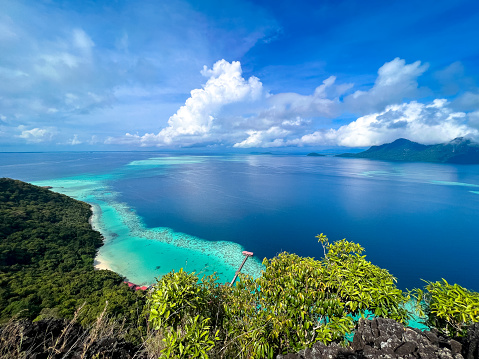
x: 160, y: 212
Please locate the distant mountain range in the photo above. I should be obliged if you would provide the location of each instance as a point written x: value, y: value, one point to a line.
x: 459, y: 150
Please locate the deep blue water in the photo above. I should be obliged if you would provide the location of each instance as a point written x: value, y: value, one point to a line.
x: 417, y: 220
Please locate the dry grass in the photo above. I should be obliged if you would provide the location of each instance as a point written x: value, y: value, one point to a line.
x: 55, y: 339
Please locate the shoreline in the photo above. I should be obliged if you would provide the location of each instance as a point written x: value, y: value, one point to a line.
x: 144, y: 254
x: 102, y: 265
x: 99, y: 263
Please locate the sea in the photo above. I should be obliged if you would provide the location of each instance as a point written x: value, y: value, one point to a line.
x: 161, y: 211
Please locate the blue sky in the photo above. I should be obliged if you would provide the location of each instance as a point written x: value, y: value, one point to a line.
x: 143, y: 75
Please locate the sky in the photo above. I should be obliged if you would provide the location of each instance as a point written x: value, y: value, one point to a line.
x: 236, y: 75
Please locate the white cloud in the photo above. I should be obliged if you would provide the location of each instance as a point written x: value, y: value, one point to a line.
x: 216, y: 113
x: 396, y: 81
x: 35, y: 135
x: 196, y: 118
x: 424, y: 123
x: 74, y: 141
x: 474, y: 119
x: 468, y: 101
x: 82, y: 40
x: 269, y: 138
x: 323, y: 102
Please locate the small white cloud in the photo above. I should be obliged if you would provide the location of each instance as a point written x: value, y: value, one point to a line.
x: 35, y: 135
x: 93, y: 140
x: 74, y: 141
x: 82, y: 40
x: 270, y: 138
x: 12, y: 74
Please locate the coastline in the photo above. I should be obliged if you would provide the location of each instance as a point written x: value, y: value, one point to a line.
x: 99, y: 263
x: 144, y: 254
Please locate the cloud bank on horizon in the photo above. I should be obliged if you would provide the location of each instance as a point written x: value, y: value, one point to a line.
x: 158, y: 77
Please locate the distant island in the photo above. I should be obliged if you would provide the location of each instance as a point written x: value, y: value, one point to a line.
x: 460, y: 151
x: 315, y: 154
x: 261, y: 153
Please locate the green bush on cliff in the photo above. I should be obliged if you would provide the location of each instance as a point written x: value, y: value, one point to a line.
x: 294, y: 303
x: 448, y: 308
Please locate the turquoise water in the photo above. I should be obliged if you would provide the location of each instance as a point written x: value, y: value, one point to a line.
x: 142, y: 254
x: 160, y: 212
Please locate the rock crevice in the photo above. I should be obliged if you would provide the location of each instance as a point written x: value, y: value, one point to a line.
x: 386, y: 339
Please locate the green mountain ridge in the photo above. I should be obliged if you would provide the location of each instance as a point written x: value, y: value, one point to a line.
x: 460, y: 151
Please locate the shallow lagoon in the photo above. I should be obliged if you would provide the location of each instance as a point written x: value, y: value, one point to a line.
x: 162, y: 212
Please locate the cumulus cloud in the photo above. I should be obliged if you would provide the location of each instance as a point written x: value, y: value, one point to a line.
x: 196, y: 118
x: 428, y: 123
x: 272, y: 137
x: 36, y: 135
x: 216, y: 113
x: 74, y: 141
x: 396, y: 81
x: 323, y: 102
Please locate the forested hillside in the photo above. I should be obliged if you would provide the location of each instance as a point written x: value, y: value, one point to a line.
x: 47, y: 248
x: 460, y: 150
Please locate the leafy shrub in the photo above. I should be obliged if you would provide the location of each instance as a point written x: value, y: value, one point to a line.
x: 448, y: 308
x: 294, y: 303
x: 181, y: 310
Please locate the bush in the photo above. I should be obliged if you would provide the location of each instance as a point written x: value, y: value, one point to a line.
x: 294, y: 303
x: 448, y: 308
x: 181, y: 310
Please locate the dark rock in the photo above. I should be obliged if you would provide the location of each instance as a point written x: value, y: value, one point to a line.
x: 386, y: 339
x: 405, y: 349
x: 433, y: 339
x: 455, y: 346
x: 471, y: 344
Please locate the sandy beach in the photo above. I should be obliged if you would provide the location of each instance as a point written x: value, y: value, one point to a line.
x: 101, y: 264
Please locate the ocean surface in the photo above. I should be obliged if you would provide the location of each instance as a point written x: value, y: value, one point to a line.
x: 160, y: 211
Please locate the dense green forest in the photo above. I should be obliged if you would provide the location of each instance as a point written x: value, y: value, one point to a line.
x: 47, y: 248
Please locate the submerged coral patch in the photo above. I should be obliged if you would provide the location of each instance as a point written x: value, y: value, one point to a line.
x: 142, y: 254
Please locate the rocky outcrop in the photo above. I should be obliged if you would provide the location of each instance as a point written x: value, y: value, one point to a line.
x: 386, y: 339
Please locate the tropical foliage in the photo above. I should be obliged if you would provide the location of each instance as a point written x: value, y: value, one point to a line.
x: 449, y: 308
x: 294, y: 303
